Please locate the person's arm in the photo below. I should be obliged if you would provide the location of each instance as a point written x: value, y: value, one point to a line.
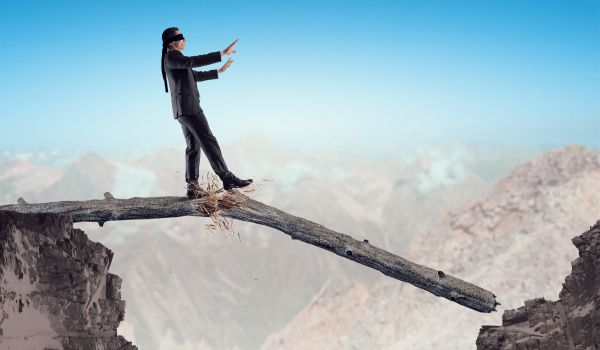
x: 205, y: 75
x: 178, y: 60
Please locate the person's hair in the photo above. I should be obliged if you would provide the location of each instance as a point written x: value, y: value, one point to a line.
x: 169, y: 32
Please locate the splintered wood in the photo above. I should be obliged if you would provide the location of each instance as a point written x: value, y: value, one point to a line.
x: 217, y: 198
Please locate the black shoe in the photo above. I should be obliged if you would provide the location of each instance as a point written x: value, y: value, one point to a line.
x: 231, y: 181
x: 194, y: 190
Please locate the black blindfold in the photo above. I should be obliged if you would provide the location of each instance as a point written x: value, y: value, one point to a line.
x: 173, y: 38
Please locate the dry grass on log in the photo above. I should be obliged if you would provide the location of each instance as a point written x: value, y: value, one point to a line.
x: 217, y: 198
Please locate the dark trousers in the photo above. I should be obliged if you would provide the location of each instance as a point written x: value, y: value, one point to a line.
x: 198, y: 136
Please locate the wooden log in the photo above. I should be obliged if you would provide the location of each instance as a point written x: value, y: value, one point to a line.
x: 235, y: 205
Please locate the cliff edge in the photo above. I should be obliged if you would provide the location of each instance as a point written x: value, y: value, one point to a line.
x: 571, y: 323
x: 55, y: 288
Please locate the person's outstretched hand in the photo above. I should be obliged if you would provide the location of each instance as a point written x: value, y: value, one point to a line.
x: 225, y: 66
x: 229, y: 50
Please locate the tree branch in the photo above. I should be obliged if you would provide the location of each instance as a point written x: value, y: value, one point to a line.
x: 236, y: 205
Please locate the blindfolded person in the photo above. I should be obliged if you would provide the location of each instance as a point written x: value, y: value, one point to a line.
x: 185, y: 100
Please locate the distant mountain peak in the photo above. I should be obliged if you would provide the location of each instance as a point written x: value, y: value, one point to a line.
x: 550, y: 169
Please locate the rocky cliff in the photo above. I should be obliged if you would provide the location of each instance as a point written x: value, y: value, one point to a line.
x: 571, y: 323
x: 55, y: 288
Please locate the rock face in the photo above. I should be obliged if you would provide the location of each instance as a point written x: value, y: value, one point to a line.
x: 572, y: 322
x: 55, y: 288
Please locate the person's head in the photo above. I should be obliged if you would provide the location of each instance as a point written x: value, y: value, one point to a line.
x: 176, y: 45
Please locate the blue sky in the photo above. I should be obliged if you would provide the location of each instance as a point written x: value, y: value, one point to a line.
x: 346, y: 74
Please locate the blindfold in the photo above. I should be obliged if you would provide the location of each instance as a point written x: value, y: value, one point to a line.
x: 173, y: 38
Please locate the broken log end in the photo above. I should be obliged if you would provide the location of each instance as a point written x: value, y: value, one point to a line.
x: 21, y: 201
x: 108, y: 196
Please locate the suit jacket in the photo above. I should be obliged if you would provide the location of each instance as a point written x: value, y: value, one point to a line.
x: 185, y: 97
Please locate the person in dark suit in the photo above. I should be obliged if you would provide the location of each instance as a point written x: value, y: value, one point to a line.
x: 185, y: 100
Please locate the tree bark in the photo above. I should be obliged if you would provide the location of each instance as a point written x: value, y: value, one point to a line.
x: 236, y: 205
